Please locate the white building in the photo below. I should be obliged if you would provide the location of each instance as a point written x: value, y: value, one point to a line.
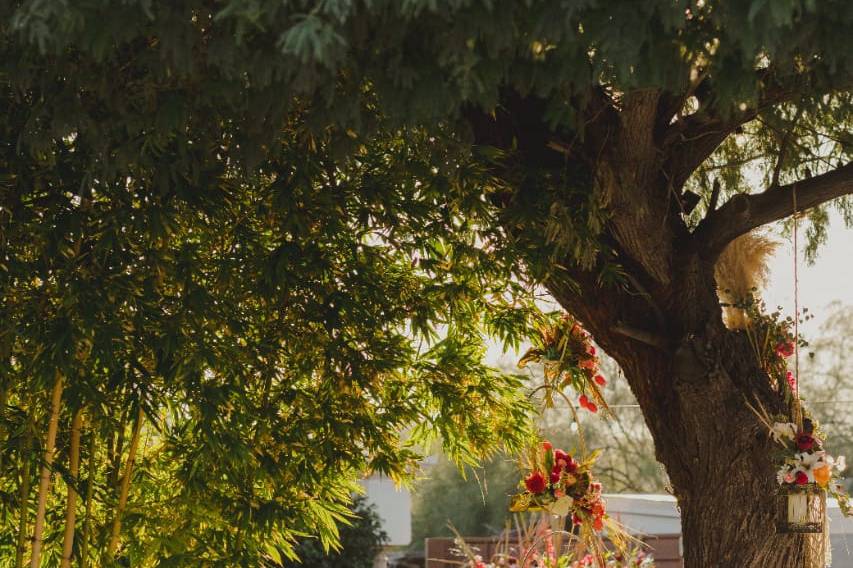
x: 657, y: 514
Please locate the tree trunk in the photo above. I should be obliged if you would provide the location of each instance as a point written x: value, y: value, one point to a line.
x: 115, y: 532
x: 44, y: 481
x: 693, y: 391
x: 71, y: 505
x: 660, y: 317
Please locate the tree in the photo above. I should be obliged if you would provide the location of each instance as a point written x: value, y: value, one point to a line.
x: 361, y: 540
x: 399, y: 169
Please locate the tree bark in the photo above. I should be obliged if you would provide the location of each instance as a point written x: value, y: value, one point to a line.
x: 663, y: 323
x: 44, y: 481
x: 71, y: 504
x: 694, y: 394
x: 115, y: 532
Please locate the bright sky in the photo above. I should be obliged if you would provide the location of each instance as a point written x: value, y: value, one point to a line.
x: 828, y: 280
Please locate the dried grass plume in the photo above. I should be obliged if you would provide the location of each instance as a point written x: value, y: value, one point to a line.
x: 741, y: 268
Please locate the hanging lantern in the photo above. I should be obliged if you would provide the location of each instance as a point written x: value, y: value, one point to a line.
x: 802, y: 509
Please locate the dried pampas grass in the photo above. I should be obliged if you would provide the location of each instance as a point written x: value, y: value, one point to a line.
x: 741, y: 268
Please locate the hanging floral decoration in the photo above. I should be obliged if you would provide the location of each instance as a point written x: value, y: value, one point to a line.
x: 569, y: 359
x: 560, y: 485
x: 803, y: 466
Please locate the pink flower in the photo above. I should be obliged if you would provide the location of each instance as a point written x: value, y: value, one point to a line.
x: 785, y: 348
x: 600, y: 380
x: 789, y: 477
x: 792, y: 380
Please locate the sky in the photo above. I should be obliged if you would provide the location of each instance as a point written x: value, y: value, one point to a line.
x: 828, y: 280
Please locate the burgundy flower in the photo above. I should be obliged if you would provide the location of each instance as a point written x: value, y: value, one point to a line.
x: 571, y: 465
x: 802, y: 478
x: 535, y: 482
x: 804, y: 442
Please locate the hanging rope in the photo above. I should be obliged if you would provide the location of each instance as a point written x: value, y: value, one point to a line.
x: 798, y: 412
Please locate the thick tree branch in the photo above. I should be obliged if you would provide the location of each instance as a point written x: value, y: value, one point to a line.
x: 745, y: 212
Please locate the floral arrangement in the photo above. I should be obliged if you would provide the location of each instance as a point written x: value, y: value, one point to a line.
x: 803, y: 460
x: 561, y: 486
x: 569, y: 358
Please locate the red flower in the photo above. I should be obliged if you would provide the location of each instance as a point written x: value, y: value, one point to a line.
x: 590, y: 350
x: 535, y: 482
x: 592, y: 407
x: 561, y: 456
x: 572, y: 465
x: 546, y: 445
x: 576, y: 520
x: 588, y: 364
x: 802, y: 478
x: 595, y: 487
x: 785, y: 348
x: 555, y: 473
x: 804, y: 442
x: 598, y: 523
x: 583, y: 400
x: 600, y: 380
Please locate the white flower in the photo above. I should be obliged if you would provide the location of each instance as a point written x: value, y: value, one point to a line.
x: 839, y: 463
x: 784, y: 475
x: 808, y: 462
x: 782, y: 430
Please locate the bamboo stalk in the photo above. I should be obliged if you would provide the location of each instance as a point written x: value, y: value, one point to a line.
x: 115, y: 532
x: 71, y: 506
x: 23, y: 498
x: 44, y: 481
x: 4, y: 401
x: 90, y: 491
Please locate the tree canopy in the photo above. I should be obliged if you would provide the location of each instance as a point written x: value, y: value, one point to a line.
x: 270, y: 239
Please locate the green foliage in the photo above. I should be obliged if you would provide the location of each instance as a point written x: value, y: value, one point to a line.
x: 475, y: 500
x: 262, y: 223
x: 361, y: 540
x: 281, y: 333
